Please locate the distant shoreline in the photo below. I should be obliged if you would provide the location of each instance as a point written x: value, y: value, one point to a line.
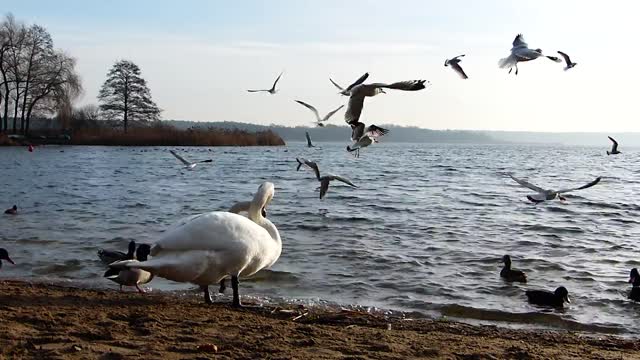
x: 153, y: 136
x: 49, y: 321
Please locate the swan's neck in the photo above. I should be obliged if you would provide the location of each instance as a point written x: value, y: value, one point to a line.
x: 271, y: 229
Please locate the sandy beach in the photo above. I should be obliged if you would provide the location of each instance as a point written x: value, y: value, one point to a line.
x: 54, y: 322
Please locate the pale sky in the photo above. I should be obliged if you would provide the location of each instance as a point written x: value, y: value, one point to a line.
x: 199, y: 57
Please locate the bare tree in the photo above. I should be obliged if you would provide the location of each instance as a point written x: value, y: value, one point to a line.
x: 35, y: 77
x: 125, y: 96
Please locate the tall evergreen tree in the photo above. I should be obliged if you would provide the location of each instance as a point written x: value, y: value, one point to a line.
x: 125, y: 95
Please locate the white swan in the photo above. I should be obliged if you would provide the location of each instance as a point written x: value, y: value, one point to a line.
x: 520, y: 52
x: 206, y: 248
x: 544, y: 194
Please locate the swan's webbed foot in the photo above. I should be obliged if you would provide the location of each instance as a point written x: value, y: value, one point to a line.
x: 207, y: 295
x: 223, y: 286
x: 236, y: 296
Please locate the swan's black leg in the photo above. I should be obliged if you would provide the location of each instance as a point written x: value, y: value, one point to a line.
x: 223, y: 286
x: 207, y: 296
x: 236, y: 295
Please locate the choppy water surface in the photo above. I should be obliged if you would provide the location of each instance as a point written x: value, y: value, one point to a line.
x: 425, y: 231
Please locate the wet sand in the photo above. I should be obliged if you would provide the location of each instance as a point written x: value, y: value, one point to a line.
x: 53, y: 322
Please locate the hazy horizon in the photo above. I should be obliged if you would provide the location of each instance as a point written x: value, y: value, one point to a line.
x: 199, y: 58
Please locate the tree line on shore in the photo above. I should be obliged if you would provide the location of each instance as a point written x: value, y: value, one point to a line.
x: 39, y: 81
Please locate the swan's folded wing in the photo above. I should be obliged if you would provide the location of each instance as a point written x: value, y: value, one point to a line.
x: 212, y: 231
x: 594, y: 182
x: 526, y: 184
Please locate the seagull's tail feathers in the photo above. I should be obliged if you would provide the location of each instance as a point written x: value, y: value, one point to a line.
x: 504, y: 63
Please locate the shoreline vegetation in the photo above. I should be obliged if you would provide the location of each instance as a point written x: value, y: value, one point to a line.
x: 49, y: 321
x: 150, y: 136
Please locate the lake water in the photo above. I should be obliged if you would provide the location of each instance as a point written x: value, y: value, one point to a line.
x: 425, y: 231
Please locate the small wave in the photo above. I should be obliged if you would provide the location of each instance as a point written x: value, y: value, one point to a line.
x: 534, y: 318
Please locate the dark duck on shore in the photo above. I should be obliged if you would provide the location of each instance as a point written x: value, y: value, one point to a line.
x: 510, y: 274
x: 12, y: 211
x: 4, y: 255
x: 110, y: 256
x: 634, y: 279
x: 548, y: 298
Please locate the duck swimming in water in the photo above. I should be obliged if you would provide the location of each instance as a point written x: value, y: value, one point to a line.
x: 110, y: 256
x: 12, y: 211
x: 634, y: 279
x: 4, y: 255
x: 548, y: 298
x: 510, y: 274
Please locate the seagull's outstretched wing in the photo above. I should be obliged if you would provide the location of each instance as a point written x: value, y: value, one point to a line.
x: 315, y: 111
x: 354, y: 108
x: 614, y: 147
x: 566, y: 57
x: 257, y: 90
x: 409, y: 85
x: 376, y: 131
x: 526, y: 184
x: 360, y: 80
x: 275, y: 82
x: 324, y: 187
x: 342, y: 179
x: 459, y: 70
x: 306, y: 133
x: 310, y: 164
x: 336, y: 85
x: 597, y: 180
x: 183, y: 160
x: 330, y: 114
x: 519, y: 41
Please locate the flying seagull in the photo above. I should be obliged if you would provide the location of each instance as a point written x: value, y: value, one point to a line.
x: 520, y: 52
x: 614, y: 147
x: 567, y: 60
x: 542, y: 194
x: 187, y: 164
x: 309, y: 144
x: 455, y: 65
x: 273, y: 88
x: 359, y: 92
x: 324, y: 180
x: 347, y: 91
x: 319, y: 121
x: 364, y: 137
